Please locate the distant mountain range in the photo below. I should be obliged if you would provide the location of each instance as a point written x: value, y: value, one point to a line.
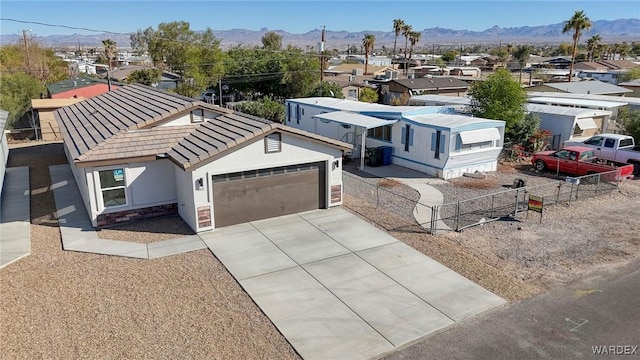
x: 609, y: 31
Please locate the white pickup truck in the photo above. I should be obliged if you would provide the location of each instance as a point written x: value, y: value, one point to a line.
x: 614, y: 147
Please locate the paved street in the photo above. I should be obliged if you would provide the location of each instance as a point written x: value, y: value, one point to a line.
x: 600, y: 309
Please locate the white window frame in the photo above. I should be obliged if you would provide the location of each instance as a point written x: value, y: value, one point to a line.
x: 99, y: 188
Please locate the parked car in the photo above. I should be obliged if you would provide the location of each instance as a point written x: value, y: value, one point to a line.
x: 578, y: 161
x: 614, y: 147
x: 209, y: 97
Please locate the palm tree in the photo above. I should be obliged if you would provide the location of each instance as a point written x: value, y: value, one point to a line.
x: 414, y: 38
x: 593, y: 43
x: 406, y: 30
x: 109, y: 50
x: 398, y: 24
x: 578, y: 22
x: 624, y: 50
x: 522, y: 54
x: 368, y: 42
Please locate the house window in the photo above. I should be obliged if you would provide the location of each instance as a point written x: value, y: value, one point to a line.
x: 407, y: 137
x: 438, y: 145
x: 297, y: 114
x: 288, y: 112
x: 197, y: 116
x: 112, y: 187
x: 380, y: 133
x: 272, y: 143
x: 478, y: 145
x: 353, y: 93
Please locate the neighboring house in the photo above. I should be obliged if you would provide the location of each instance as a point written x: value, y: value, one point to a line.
x: 139, y: 152
x: 612, y: 106
x: 358, y: 69
x: 594, y: 87
x: 557, y: 62
x: 466, y: 71
x: 487, y: 63
x: 79, y: 87
x: 351, y: 85
x: 44, y: 109
x: 634, y: 86
x: 609, y: 71
x: 634, y: 103
x: 433, y: 140
x: 568, y: 123
x: 373, y: 60
x: 433, y: 85
x: 4, y: 147
x: 168, y: 80
x: 564, y: 122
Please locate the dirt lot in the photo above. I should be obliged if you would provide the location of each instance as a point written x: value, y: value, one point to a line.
x: 520, y: 257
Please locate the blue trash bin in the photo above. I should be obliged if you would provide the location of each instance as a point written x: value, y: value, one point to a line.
x: 386, y: 155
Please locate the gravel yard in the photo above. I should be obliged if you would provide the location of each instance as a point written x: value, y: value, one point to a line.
x: 60, y: 304
x: 520, y: 257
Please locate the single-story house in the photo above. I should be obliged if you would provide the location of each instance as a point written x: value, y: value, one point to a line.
x: 79, y: 87
x: 44, y: 109
x: 634, y: 86
x: 557, y: 115
x: 168, y: 80
x: 432, y: 85
x: 612, y: 106
x: 568, y: 123
x: 594, y: 87
x: 633, y: 102
x: 433, y: 140
x: 358, y: 69
x: 139, y: 152
x: 351, y: 85
x: 4, y: 147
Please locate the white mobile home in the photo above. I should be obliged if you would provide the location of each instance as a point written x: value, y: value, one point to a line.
x: 430, y: 139
x: 567, y: 123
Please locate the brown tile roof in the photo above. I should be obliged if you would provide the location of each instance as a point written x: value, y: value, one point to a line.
x: 216, y: 137
x: 88, y: 123
x: 138, y: 143
x: 122, y: 124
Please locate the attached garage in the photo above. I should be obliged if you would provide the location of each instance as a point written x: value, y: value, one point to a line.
x: 263, y: 193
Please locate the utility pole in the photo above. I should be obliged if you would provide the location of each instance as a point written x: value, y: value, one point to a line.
x: 220, y: 90
x: 26, y: 49
x: 321, y: 49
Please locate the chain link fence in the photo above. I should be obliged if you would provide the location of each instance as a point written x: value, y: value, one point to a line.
x: 475, y: 211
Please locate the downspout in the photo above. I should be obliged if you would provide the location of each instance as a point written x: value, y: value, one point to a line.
x: 362, y: 152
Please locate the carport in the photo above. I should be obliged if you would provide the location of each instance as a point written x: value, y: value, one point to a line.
x: 338, y: 288
x: 362, y: 123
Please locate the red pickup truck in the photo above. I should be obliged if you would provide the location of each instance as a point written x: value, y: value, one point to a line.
x: 578, y: 161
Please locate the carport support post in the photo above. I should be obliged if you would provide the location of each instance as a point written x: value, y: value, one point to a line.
x: 362, y: 145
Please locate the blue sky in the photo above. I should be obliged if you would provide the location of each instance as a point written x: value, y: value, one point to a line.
x: 300, y: 16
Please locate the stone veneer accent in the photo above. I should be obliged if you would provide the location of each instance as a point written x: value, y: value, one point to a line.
x: 124, y: 216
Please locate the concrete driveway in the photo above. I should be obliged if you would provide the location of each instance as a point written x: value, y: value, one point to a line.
x: 337, y: 287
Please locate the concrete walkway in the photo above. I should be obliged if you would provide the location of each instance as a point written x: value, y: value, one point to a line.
x: 421, y: 182
x: 79, y: 235
x: 338, y: 288
x: 15, y: 216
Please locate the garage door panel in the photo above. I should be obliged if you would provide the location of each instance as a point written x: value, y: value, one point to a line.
x: 263, y: 197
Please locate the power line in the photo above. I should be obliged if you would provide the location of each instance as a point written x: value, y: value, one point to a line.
x: 62, y: 26
x: 159, y: 38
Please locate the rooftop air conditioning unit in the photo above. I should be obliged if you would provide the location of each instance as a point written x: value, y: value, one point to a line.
x: 357, y: 72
